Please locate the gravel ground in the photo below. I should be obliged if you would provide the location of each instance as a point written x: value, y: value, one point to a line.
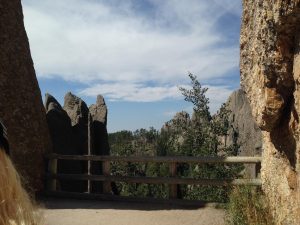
x: 83, y: 212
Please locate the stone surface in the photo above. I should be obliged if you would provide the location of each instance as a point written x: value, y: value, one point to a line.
x: 243, y: 130
x: 78, y: 112
x: 181, y: 119
x: 21, y: 106
x: 61, y: 133
x: 98, y: 138
x: 270, y: 77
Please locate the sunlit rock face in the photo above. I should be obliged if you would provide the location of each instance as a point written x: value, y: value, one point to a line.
x: 21, y: 106
x: 270, y: 75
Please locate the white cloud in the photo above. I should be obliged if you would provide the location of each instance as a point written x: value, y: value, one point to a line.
x: 133, y: 92
x: 117, y: 50
x: 139, y: 92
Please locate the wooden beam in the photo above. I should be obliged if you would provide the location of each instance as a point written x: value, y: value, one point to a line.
x: 173, y: 187
x: 106, y: 172
x: 159, y: 159
x: 52, y: 168
x: 157, y: 180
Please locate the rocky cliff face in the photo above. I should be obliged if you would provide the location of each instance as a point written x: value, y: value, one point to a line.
x: 21, y: 105
x: 270, y: 75
x: 243, y: 130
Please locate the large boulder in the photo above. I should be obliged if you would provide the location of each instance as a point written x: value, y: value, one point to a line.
x: 270, y: 75
x: 61, y: 133
x: 21, y: 106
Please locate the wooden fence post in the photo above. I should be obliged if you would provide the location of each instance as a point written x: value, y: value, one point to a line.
x: 173, y: 187
x: 106, y: 172
x: 52, y: 169
x: 257, y: 170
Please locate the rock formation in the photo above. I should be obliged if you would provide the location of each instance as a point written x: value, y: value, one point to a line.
x: 78, y: 113
x: 270, y: 75
x: 243, y: 130
x: 98, y: 113
x: 63, y: 140
x: 78, y: 130
x: 21, y: 106
x: 181, y: 119
x: 99, y: 138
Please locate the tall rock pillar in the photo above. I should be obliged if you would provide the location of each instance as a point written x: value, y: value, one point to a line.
x: 21, y: 106
x: 98, y: 138
x: 78, y: 112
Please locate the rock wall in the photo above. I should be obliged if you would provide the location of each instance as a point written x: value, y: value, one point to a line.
x: 243, y: 130
x: 270, y: 77
x: 21, y: 105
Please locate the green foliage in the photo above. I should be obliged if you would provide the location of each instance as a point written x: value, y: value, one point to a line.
x: 197, y: 137
x: 248, y: 206
x: 197, y: 97
x: 139, y: 142
x: 202, y: 138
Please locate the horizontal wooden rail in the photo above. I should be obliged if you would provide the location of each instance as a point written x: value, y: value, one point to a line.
x: 158, y: 180
x: 172, y: 180
x: 159, y: 159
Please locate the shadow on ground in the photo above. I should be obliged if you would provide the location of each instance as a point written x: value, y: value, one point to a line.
x: 66, y: 203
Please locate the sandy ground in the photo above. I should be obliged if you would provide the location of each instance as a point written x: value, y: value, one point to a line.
x: 83, y: 212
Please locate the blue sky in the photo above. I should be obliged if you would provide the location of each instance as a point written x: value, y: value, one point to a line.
x: 135, y: 53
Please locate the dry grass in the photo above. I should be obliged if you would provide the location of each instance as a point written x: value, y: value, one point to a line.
x: 248, y: 206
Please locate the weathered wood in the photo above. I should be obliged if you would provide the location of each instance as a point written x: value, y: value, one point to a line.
x: 106, y: 172
x: 159, y: 159
x: 157, y: 180
x: 173, y: 187
x: 257, y: 170
x: 90, y: 147
x: 52, y: 168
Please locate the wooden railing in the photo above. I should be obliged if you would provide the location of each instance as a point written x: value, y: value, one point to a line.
x: 172, y: 180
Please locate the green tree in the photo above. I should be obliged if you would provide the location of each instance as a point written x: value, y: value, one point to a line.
x: 202, y: 138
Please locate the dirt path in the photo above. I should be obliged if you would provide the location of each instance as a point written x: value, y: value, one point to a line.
x: 75, y: 212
